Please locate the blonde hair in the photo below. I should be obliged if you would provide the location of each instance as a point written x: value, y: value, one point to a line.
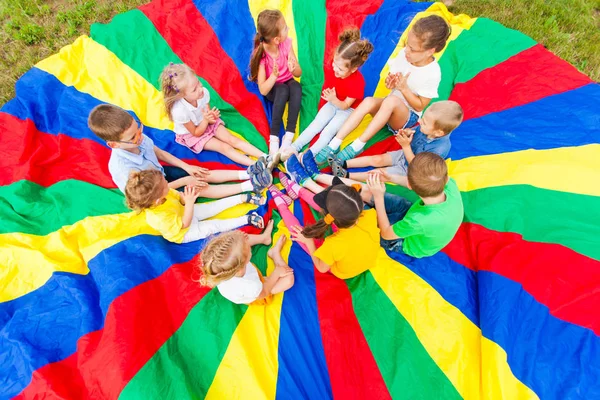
x: 174, y: 79
x: 352, y: 48
x: 109, y: 122
x: 427, y: 174
x: 448, y: 115
x: 266, y: 30
x: 143, y: 189
x: 222, y: 258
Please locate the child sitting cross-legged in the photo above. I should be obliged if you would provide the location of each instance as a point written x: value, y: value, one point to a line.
x: 427, y: 226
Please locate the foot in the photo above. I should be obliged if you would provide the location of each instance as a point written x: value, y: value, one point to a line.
x: 348, y: 153
x: 322, y: 157
x: 276, y: 193
x: 308, y: 160
x: 275, y: 252
x: 256, y: 220
x: 287, y: 153
x: 337, y: 167
x: 287, y: 185
x: 261, y: 181
x: 259, y: 166
x: 273, y: 161
x: 296, y: 170
x: 265, y: 237
x: 255, y: 199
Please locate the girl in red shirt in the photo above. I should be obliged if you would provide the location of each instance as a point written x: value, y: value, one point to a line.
x: 342, y: 92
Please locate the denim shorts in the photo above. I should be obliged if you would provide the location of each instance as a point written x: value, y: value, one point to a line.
x: 413, y: 118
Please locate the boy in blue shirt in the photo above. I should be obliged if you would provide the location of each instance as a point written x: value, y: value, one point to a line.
x: 134, y: 151
x: 432, y: 135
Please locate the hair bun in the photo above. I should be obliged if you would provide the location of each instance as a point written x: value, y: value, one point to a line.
x: 350, y: 35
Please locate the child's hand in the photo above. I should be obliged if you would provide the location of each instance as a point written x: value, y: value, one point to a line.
x: 401, y: 82
x: 390, y: 81
x: 190, y: 194
x: 275, y: 69
x: 329, y: 95
x: 383, y: 175
x: 208, y: 115
x: 197, y: 183
x: 404, y: 137
x: 196, y: 171
x: 216, y: 112
x: 297, y: 236
x: 376, y: 186
x: 292, y: 63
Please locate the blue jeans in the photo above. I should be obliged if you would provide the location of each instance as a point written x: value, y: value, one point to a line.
x: 174, y: 173
x: 328, y: 121
x: 396, y: 208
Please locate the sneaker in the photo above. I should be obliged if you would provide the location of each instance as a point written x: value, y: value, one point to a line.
x: 337, y: 167
x: 308, y: 160
x: 261, y: 181
x: 259, y: 166
x: 296, y: 169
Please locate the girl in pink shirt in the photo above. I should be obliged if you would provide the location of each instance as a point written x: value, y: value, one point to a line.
x: 273, y: 66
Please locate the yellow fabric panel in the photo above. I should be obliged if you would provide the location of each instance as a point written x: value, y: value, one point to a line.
x: 28, y: 261
x: 450, y: 338
x: 566, y: 169
x: 91, y: 68
x: 250, y: 365
x: 458, y: 23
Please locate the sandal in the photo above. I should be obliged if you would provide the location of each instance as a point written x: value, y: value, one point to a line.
x: 256, y: 220
x: 283, y: 178
x: 275, y: 192
x: 255, y: 199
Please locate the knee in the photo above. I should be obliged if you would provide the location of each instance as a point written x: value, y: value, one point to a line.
x: 378, y: 160
x: 282, y: 92
x: 367, y: 103
x: 222, y: 147
x: 288, y: 281
x: 391, y: 102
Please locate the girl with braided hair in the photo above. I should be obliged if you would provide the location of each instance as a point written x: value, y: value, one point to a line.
x: 225, y: 264
x: 197, y: 125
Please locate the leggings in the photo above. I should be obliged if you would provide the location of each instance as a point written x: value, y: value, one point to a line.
x: 280, y: 94
x: 200, y: 229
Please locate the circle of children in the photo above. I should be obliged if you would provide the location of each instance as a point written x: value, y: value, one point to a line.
x: 363, y: 216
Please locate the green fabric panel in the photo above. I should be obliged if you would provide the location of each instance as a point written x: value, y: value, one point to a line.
x: 124, y: 33
x: 539, y: 215
x: 407, y: 369
x: 310, y: 20
x: 185, y: 365
x: 27, y: 207
x: 485, y: 45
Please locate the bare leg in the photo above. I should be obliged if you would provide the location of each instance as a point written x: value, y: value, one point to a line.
x: 379, y: 160
x: 328, y: 180
x: 312, y: 186
x: 220, y: 191
x: 237, y: 143
x: 392, y: 110
x: 264, y: 237
x: 370, y: 105
x: 285, y: 282
x: 224, y: 175
x: 217, y: 145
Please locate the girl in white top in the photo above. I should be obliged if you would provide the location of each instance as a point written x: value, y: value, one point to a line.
x: 225, y: 263
x: 414, y: 79
x: 197, y: 126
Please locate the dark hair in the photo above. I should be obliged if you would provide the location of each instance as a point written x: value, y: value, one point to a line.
x: 344, y: 204
x: 266, y: 30
x: 433, y: 31
x: 427, y: 174
x: 352, y: 48
x: 109, y: 122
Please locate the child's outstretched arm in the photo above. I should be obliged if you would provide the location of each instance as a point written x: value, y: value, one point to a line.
x: 418, y: 103
x: 266, y: 84
x: 377, y: 188
x: 297, y: 236
x: 294, y: 65
x: 188, y: 198
x: 193, y: 170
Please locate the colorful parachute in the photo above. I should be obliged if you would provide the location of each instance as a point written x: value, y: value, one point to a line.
x: 93, y: 304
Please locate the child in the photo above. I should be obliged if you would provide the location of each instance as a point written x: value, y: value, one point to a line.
x: 226, y: 265
x: 273, y: 66
x: 432, y: 135
x: 424, y: 228
x: 175, y: 215
x: 343, y: 90
x: 197, y: 126
x: 349, y: 251
x: 414, y: 79
x: 132, y: 150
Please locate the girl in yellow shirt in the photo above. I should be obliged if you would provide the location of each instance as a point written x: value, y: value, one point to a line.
x: 349, y: 251
x: 176, y: 216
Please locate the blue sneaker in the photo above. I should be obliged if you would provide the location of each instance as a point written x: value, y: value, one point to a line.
x: 296, y: 169
x: 308, y: 160
x: 258, y: 167
x: 261, y: 181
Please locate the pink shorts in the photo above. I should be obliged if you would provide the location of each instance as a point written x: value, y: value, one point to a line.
x: 196, y: 143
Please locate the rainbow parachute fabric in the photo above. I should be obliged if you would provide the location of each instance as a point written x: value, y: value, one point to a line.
x: 94, y: 304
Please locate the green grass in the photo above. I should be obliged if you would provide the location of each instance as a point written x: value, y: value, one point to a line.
x: 31, y: 30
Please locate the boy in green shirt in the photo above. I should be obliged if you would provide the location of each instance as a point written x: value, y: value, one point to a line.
x: 424, y: 228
